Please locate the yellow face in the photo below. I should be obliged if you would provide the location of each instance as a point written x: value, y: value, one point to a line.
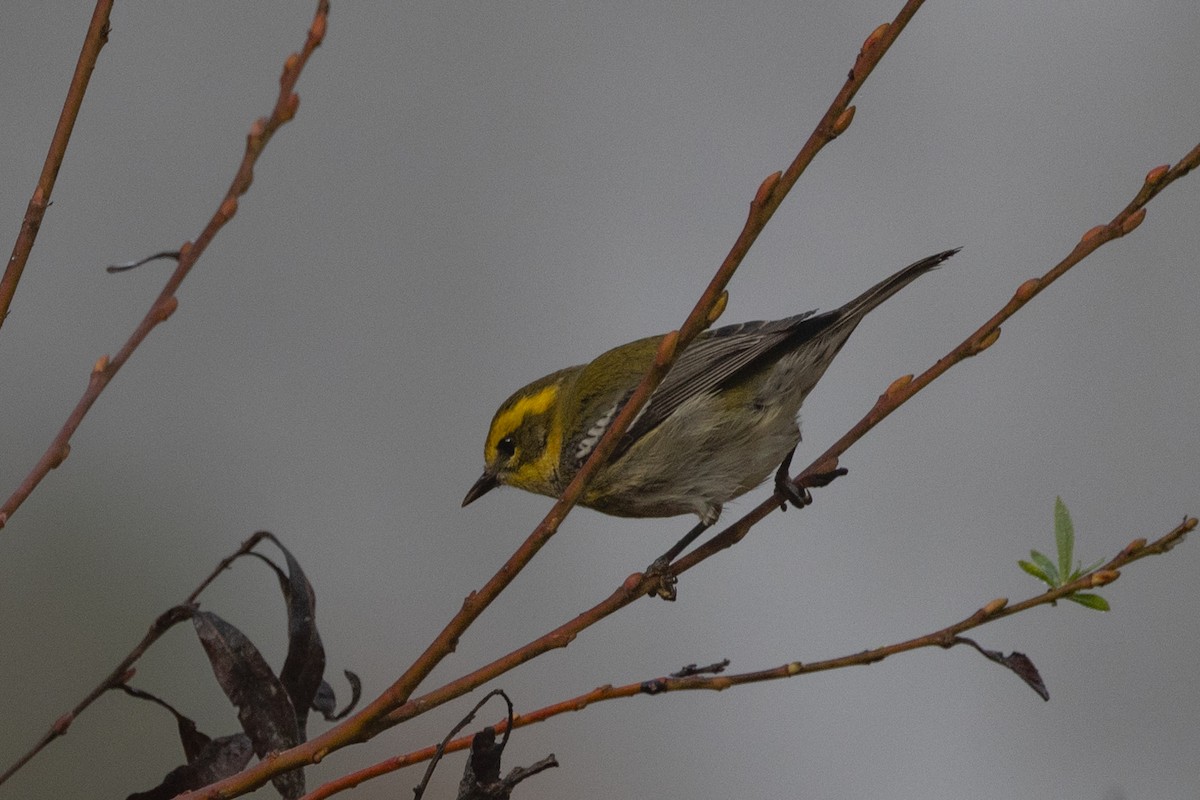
x: 523, y: 444
x: 525, y: 441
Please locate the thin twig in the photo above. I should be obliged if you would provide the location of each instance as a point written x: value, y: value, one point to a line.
x: 639, y: 584
x: 905, y: 387
x: 386, y: 710
x: 93, y: 42
x: 165, y: 304
x: 989, y: 612
x: 124, y: 671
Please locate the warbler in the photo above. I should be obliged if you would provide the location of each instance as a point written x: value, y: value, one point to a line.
x: 722, y: 419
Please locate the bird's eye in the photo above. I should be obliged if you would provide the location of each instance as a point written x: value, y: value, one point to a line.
x: 506, y: 447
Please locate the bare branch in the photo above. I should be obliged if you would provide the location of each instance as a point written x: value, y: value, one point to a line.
x: 93, y: 41
x: 124, y: 671
x: 165, y: 304
x: 694, y: 681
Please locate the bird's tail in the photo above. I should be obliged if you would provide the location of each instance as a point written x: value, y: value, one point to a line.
x: 862, y: 305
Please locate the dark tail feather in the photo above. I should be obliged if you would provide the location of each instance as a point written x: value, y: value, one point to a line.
x: 860, y: 306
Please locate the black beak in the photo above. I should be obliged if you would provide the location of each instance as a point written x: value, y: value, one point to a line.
x: 487, y: 481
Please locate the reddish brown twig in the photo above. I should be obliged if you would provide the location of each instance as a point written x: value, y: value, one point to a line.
x: 390, y: 706
x: 639, y: 584
x: 123, y: 672
x: 93, y: 41
x: 903, y: 388
x: 989, y: 612
x: 165, y: 304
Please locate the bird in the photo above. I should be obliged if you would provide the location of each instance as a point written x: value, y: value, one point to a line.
x: 724, y: 416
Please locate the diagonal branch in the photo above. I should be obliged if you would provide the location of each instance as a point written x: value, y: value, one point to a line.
x: 93, y: 41
x: 639, y: 584
x: 903, y: 388
x: 124, y: 671
x: 165, y: 304
x: 946, y: 637
x: 385, y: 710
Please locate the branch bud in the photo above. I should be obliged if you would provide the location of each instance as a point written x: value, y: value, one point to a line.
x: 898, y: 384
x: 666, y: 348
x: 875, y: 36
x: 843, y: 121
x: 317, y: 31
x: 994, y: 607
x: 101, y: 365
x: 289, y: 107
x: 718, y: 307
x: 1104, y: 577
x: 985, y: 342
x: 1093, y: 233
x: 61, y: 455
x: 764, y: 191
x: 1155, y: 176
x: 1133, y: 221
x: 1028, y: 289
x: 167, y: 307
x: 1133, y: 547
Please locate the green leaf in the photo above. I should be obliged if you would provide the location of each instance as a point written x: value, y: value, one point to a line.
x: 1088, y: 600
x: 1046, y: 566
x: 1035, y: 572
x: 1064, y: 536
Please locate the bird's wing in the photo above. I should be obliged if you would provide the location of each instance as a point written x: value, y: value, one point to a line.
x: 713, y: 359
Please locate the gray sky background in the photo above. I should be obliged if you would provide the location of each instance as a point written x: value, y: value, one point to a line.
x: 475, y: 194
